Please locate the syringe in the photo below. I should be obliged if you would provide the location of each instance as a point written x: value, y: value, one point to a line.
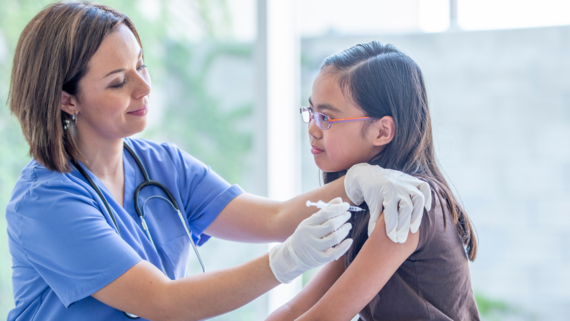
x: 321, y: 205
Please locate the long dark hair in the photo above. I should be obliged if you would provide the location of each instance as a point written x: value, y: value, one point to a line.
x: 383, y: 81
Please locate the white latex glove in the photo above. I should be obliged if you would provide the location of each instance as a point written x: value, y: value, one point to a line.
x: 314, y: 242
x: 402, y: 196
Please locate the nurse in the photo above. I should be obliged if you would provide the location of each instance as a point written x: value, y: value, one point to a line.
x: 80, y: 250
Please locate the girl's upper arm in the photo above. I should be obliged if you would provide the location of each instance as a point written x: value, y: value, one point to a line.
x: 311, y: 293
x: 374, y: 265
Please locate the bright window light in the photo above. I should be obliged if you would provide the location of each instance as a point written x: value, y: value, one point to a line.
x: 319, y: 17
x: 433, y: 15
x: 504, y: 14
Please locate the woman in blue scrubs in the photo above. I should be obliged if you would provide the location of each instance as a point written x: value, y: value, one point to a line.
x: 79, y: 88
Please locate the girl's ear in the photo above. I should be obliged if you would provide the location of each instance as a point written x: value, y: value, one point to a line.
x: 68, y: 103
x: 384, y: 131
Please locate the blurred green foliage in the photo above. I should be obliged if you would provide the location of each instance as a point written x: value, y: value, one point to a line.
x: 494, y: 310
x: 191, y: 117
x: 489, y: 306
x: 194, y: 118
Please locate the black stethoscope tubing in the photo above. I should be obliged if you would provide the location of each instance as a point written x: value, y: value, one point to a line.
x: 140, y: 213
x: 98, y: 191
x: 147, y: 182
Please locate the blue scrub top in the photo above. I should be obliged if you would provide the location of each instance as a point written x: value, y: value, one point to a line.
x: 64, y: 245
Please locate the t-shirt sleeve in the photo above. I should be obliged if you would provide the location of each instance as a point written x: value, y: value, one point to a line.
x: 68, y: 241
x: 204, y: 193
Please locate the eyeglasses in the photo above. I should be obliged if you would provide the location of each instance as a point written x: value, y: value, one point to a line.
x: 323, y: 121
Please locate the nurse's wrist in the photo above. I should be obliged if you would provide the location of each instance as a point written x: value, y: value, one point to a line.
x: 285, y: 266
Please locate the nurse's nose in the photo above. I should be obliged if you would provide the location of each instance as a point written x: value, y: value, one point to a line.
x: 143, y: 85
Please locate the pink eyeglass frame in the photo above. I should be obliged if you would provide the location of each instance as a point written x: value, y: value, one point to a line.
x: 329, y: 120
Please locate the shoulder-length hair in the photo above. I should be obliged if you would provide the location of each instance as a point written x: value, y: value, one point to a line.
x: 52, y: 56
x: 384, y: 81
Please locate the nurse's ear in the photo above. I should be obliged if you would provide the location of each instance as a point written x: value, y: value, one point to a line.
x: 68, y: 103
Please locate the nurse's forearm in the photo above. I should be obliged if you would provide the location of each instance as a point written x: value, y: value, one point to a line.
x: 210, y: 294
x: 145, y: 291
x: 251, y: 218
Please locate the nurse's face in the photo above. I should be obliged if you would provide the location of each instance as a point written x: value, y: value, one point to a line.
x: 112, y: 102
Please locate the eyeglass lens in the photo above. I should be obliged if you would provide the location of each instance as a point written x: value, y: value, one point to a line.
x: 321, y: 120
x: 306, y: 115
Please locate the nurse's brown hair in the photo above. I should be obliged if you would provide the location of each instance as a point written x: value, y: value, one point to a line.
x: 52, y: 56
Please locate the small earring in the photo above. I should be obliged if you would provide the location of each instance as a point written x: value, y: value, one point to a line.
x: 74, y: 120
x: 66, y: 124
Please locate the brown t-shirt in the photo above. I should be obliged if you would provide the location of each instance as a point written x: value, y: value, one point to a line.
x: 433, y: 283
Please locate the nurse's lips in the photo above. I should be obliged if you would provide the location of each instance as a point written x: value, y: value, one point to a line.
x: 315, y: 150
x: 139, y: 112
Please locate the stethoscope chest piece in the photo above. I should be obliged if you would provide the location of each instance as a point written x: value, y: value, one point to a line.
x: 131, y: 316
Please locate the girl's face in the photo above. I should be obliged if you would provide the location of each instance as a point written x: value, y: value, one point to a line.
x: 343, y: 144
x: 112, y: 102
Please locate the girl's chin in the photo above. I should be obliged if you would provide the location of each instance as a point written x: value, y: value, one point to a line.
x: 329, y: 168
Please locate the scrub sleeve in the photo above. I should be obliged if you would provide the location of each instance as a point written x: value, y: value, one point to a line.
x: 207, y: 201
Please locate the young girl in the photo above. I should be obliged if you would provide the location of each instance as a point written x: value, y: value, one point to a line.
x: 369, y: 105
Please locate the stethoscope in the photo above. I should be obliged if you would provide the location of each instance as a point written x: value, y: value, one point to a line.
x: 140, y: 211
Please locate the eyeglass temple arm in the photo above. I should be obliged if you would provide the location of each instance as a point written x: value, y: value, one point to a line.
x: 347, y: 119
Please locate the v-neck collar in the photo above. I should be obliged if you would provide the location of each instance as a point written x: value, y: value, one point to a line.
x: 127, y: 195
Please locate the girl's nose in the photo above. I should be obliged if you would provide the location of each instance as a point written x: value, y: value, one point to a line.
x: 314, y: 130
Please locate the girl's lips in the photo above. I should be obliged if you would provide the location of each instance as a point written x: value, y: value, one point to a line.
x: 315, y: 150
x: 139, y: 112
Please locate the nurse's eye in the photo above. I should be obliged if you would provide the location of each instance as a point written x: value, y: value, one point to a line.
x: 119, y: 85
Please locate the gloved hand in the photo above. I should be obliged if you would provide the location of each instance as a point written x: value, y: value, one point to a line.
x: 314, y: 242
x: 388, y: 188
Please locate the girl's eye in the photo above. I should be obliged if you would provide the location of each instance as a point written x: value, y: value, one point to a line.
x: 141, y: 67
x: 324, y: 117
